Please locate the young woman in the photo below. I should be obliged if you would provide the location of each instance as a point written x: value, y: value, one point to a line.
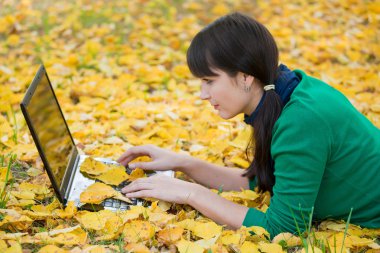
x: 313, y: 151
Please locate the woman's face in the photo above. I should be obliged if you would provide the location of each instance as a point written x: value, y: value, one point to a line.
x: 228, y: 94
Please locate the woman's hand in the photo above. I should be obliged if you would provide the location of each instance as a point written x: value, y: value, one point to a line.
x: 161, y: 159
x: 178, y: 191
x: 161, y: 187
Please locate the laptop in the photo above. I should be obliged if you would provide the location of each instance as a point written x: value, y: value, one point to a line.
x: 56, y: 146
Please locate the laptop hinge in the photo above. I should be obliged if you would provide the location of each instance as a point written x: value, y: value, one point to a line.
x: 71, y: 171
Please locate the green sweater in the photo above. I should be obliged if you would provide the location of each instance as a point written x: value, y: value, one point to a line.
x: 327, y: 156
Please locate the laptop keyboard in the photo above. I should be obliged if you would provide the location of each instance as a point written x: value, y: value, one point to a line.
x: 118, y: 204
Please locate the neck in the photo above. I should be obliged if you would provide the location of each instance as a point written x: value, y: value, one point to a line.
x: 257, y: 94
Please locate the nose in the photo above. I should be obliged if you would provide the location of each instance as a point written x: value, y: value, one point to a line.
x: 205, y: 95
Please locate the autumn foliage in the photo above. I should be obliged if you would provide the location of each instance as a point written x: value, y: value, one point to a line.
x: 119, y: 71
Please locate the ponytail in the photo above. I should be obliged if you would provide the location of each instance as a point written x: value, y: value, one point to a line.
x: 263, y: 165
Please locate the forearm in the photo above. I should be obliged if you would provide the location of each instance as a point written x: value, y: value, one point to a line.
x: 213, y: 176
x: 217, y: 208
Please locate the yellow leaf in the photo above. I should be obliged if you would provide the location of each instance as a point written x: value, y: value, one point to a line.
x: 260, y: 231
x: 23, y: 194
x: 14, y: 202
x: 136, y: 248
x: 93, y: 249
x: 160, y: 218
x: 15, y: 248
x: 93, y: 167
x: 114, y: 176
x: 96, y: 193
x: 3, y: 174
x: 241, y: 140
x: 37, y: 189
x: 333, y: 225
x: 220, y: 9
x: 240, y: 162
x: 3, y: 245
x: 11, y: 236
x: 208, y: 243
x: 314, y: 249
x: 13, y: 40
x: 249, y: 195
x: 270, y: 248
x: 249, y: 247
x: 76, y: 237
x: 52, y: 249
x: 375, y: 108
x: 48, y: 208
x: 136, y: 173
x: 188, y: 224
x: 132, y: 213
x: 165, y: 206
x: 185, y: 246
x: 111, y: 230
x: 336, y: 241
x: 68, y: 212
x: 67, y: 236
x: 94, y: 220
x: 170, y: 235
x: 207, y: 230
x: 181, y: 71
x: 121, y: 197
x: 14, y: 220
x: 357, y: 241
x: 290, y: 239
x: 231, y: 238
x: 37, y: 215
x: 138, y: 231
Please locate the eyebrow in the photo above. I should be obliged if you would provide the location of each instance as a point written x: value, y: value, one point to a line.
x: 209, y: 77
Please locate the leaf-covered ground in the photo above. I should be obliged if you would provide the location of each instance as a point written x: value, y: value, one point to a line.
x: 120, y: 74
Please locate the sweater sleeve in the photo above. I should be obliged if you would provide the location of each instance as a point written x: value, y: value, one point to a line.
x: 300, y: 149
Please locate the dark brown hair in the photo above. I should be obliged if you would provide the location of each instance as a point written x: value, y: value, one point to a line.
x: 237, y: 43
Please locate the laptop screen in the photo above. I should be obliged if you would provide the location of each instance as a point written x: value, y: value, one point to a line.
x: 50, y: 128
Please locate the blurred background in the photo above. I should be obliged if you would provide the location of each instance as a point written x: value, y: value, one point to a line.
x: 119, y: 67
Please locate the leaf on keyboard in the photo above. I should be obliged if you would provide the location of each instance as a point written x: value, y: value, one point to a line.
x: 136, y: 173
x: 121, y: 197
x: 112, y: 174
x: 93, y: 167
x: 115, y: 176
x: 96, y: 193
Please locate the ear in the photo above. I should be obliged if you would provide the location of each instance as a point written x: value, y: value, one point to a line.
x: 245, y: 79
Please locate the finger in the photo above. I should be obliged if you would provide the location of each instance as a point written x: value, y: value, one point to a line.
x: 141, y: 194
x: 142, y: 165
x: 127, y: 159
x: 137, y: 185
x: 132, y: 153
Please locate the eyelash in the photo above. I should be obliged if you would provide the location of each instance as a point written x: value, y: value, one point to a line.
x: 208, y: 81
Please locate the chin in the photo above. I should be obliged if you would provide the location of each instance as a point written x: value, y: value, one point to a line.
x: 226, y: 116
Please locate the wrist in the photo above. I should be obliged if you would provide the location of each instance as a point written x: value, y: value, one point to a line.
x: 184, y: 163
x: 194, y: 193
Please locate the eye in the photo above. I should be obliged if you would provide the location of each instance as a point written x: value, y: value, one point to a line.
x: 207, y: 81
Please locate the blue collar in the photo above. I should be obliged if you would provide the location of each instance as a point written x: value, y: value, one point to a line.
x: 286, y: 82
